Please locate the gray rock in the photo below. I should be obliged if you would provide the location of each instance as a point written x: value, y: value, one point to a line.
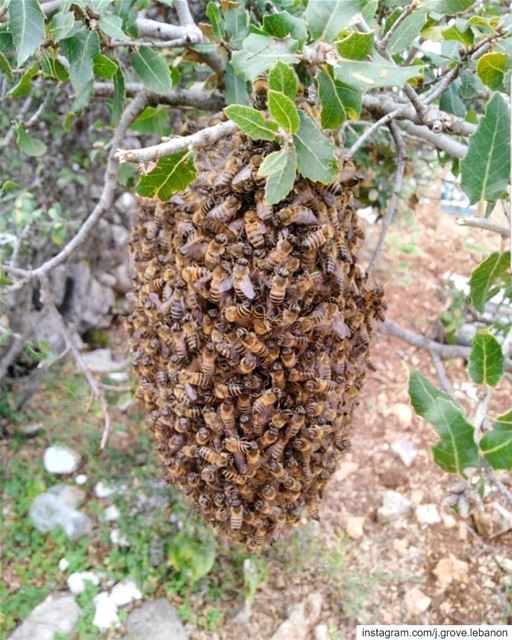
x: 60, y: 459
x: 405, y: 450
x: 100, y: 361
x: 59, y: 613
x: 427, y: 514
x: 72, y: 496
x: 394, y: 505
x: 126, y: 203
x: 48, y: 511
x: 155, y: 619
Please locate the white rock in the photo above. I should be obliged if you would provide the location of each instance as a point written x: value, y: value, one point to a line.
x: 81, y: 478
x: 60, y: 459
x: 118, y: 376
x: 63, y: 564
x: 405, y: 450
x: 111, y: 513
x: 394, y: 505
x: 48, y: 511
x: 403, y: 412
x: 101, y: 490
x: 427, y: 514
x: 355, y: 527
x: 105, y: 614
x: 76, y: 581
x: 416, y: 601
x: 100, y: 361
x: 119, y: 539
x: 70, y: 495
x: 155, y: 620
x: 125, y: 592
x: 321, y: 632
x: 58, y: 613
x: 302, y: 618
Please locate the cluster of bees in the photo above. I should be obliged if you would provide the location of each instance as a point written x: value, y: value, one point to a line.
x: 250, y: 332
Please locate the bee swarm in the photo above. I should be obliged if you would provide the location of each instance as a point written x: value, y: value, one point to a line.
x: 250, y: 332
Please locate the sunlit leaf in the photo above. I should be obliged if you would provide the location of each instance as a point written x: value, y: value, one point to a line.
x: 260, y: 53
x: 407, y: 31
x: 365, y: 75
x: 252, y: 122
x: 281, y: 24
x: 492, y: 67
x: 326, y: 18
x: 281, y: 167
x: 28, y: 144
x: 355, y: 46
x: 171, y: 175
x: 316, y: 158
x: 486, y: 275
x: 80, y: 50
x: 496, y: 445
x: 486, y: 362
x: 339, y: 101
x: 283, y: 111
x: 282, y: 78
x: 152, y: 69
x: 26, y: 23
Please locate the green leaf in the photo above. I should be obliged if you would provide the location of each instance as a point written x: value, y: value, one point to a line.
x: 339, y: 101
x: 451, y: 101
x: 235, y: 87
x: 104, y: 67
x: 68, y: 121
x: 61, y: 25
x: 465, y: 37
x: 252, y: 122
x: 356, y: 45
x: 326, y: 18
x: 282, y: 24
x: 273, y: 163
x: 259, y: 53
x: 485, y: 169
x: 112, y: 26
x: 26, y: 23
x: 215, y: 18
x: 152, y: 69
x: 80, y: 50
x: 117, y: 104
x: 316, y: 157
x: 280, y: 182
x: 496, y: 445
x: 171, y: 175
x: 153, y: 120
x: 492, y: 67
x: 282, y: 78
x: 485, y: 275
x: 369, y: 75
x: 457, y: 449
x: 52, y: 67
x: 5, y: 67
x: 407, y: 31
x: 449, y: 7
x: 23, y: 87
x: 29, y: 145
x: 283, y: 110
x: 486, y: 362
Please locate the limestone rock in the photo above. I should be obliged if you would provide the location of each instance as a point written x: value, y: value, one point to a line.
x: 302, y: 618
x: 394, y: 506
x: 58, y: 613
x: 60, y: 459
x: 155, y: 619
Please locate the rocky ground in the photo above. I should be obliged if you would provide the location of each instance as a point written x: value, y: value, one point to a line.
x: 386, y: 549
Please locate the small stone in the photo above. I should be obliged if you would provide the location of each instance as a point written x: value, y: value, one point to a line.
x: 58, y: 613
x: 302, y: 617
x: 355, y: 527
x: 416, y: 601
x: 321, y: 632
x: 100, y: 361
x: 403, y: 412
x: 427, y: 514
x: 119, y: 539
x: 111, y: 513
x: 119, y: 376
x: 105, y: 615
x: 76, y: 581
x: 417, y: 496
x: 48, y: 511
x: 125, y: 592
x: 72, y: 496
x: 401, y: 545
x: 155, y: 620
x: 394, y: 506
x: 30, y: 430
x: 63, y: 564
x: 126, y: 203
x: 448, y: 520
x: 450, y: 569
x: 101, y: 490
x: 81, y: 479
x: 60, y: 459
x: 345, y: 469
x: 405, y: 450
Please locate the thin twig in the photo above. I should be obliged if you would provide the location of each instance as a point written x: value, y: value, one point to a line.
x: 482, y: 223
x: 48, y: 301
x: 441, y: 373
x: 401, y: 156
x: 385, y: 40
x: 104, y: 203
x: 159, y: 44
x: 197, y: 140
x: 376, y: 125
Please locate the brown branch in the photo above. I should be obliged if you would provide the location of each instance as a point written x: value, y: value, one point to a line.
x: 401, y: 156
x: 104, y: 203
x: 48, y: 301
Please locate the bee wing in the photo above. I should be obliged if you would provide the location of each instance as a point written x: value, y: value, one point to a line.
x: 305, y: 216
x: 226, y: 284
x: 247, y: 287
x: 340, y: 328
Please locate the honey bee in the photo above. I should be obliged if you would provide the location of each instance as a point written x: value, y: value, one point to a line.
x: 216, y: 248
x: 227, y: 415
x: 238, y: 314
x: 254, y: 229
x: 289, y: 316
x: 318, y: 238
x: 252, y: 344
x: 241, y: 279
x: 288, y: 357
x: 248, y: 363
x: 277, y: 375
x: 253, y: 457
x: 296, y: 424
x: 263, y: 210
x: 212, y: 420
x: 266, y: 400
x: 208, y: 357
x: 279, y: 286
x: 259, y: 93
x: 261, y: 324
x: 277, y: 470
x: 221, y: 514
x: 297, y: 215
x: 233, y: 476
x: 269, y: 437
x: 213, y: 457
x: 234, y: 445
x: 236, y: 514
x: 195, y: 378
x: 221, y: 283
x: 242, y: 181
x: 278, y: 255
x: 228, y: 390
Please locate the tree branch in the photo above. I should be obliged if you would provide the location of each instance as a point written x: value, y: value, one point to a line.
x: 401, y: 155
x: 376, y: 125
x: 197, y: 140
x: 482, y: 223
x: 385, y: 40
x: 438, y: 140
x: 441, y: 373
x: 104, y: 203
